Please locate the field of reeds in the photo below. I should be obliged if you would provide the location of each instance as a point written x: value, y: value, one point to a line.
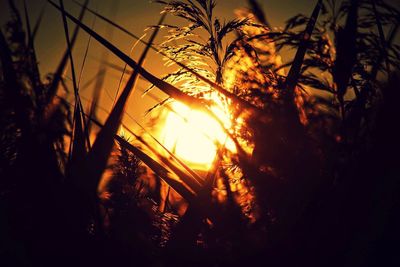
x: 290, y: 157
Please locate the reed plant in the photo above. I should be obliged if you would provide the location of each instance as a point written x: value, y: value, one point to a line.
x: 313, y: 136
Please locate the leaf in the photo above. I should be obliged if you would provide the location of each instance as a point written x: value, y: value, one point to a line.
x: 232, y: 25
x: 38, y: 22
x: 63, y: 63
x: 296, y: 21
x: 193, y: 181
x: 99, y: 154
x: 315, y: 82
x: 78, y: 149
x: 158, y: 169
x: 294, y: 72
x: 346, y: 53
x: 258, y: 12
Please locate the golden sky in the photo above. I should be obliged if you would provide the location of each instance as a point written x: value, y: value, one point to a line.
x: 135, y: 15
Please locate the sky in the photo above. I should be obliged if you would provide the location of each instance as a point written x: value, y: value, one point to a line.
x: 136, y: 16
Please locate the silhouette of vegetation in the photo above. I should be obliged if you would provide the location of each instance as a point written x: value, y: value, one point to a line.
x: 310, y: 109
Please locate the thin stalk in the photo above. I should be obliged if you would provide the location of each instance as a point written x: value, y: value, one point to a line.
x: 294, y: 72
x: 38, y: 22
x: 52, y: 90
x: 98, y: 156
x: 78, y: 148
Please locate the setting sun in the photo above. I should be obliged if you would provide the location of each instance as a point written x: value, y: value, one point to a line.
x: 193, y: 135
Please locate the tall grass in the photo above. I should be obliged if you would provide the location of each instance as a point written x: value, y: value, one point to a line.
x: 308, y: 184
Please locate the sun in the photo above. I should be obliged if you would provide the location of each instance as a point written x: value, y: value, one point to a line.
x: 194, y: 136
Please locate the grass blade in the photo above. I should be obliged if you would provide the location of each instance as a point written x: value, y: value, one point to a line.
x: 157, y: 168
x: 346, y: 54
x: 78, y: 151
x: 187, y: 168
x: 38, y: 22
x: 96, y: 98
x: 78, y: 148
x: 191, y: 181
x: 294, y: 72
x: 99, y: 154
x: 64, y: 60
x: 258, y: 12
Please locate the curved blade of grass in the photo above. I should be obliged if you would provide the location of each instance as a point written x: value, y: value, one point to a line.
x: 38, y: 22
x: 187, y: 168
x: 157, y: 168
x: 96, y: 90
x: 64, y: 60
x: 258, y: 12
x: 189, y: 180
x: 78, y: 148
x: 194, y: 175
x: 194, y: 181
x: 346, y: 54
x: 99, y: 154
x: 69, y: 47
x: 96, y: 97
x: 294, y: 72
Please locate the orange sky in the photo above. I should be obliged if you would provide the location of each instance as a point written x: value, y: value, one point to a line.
x: 135, y: 16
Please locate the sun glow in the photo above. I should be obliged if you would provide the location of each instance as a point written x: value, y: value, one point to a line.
x: 194, y: 135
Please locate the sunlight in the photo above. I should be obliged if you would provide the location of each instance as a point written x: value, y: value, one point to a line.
x: 193, y: 135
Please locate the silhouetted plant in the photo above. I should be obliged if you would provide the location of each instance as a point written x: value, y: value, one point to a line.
x: 305, y: 162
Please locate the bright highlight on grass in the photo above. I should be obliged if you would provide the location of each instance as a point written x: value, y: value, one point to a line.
x: 194, y: 136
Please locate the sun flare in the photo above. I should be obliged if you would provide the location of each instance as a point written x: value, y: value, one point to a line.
x: 194, y: 135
